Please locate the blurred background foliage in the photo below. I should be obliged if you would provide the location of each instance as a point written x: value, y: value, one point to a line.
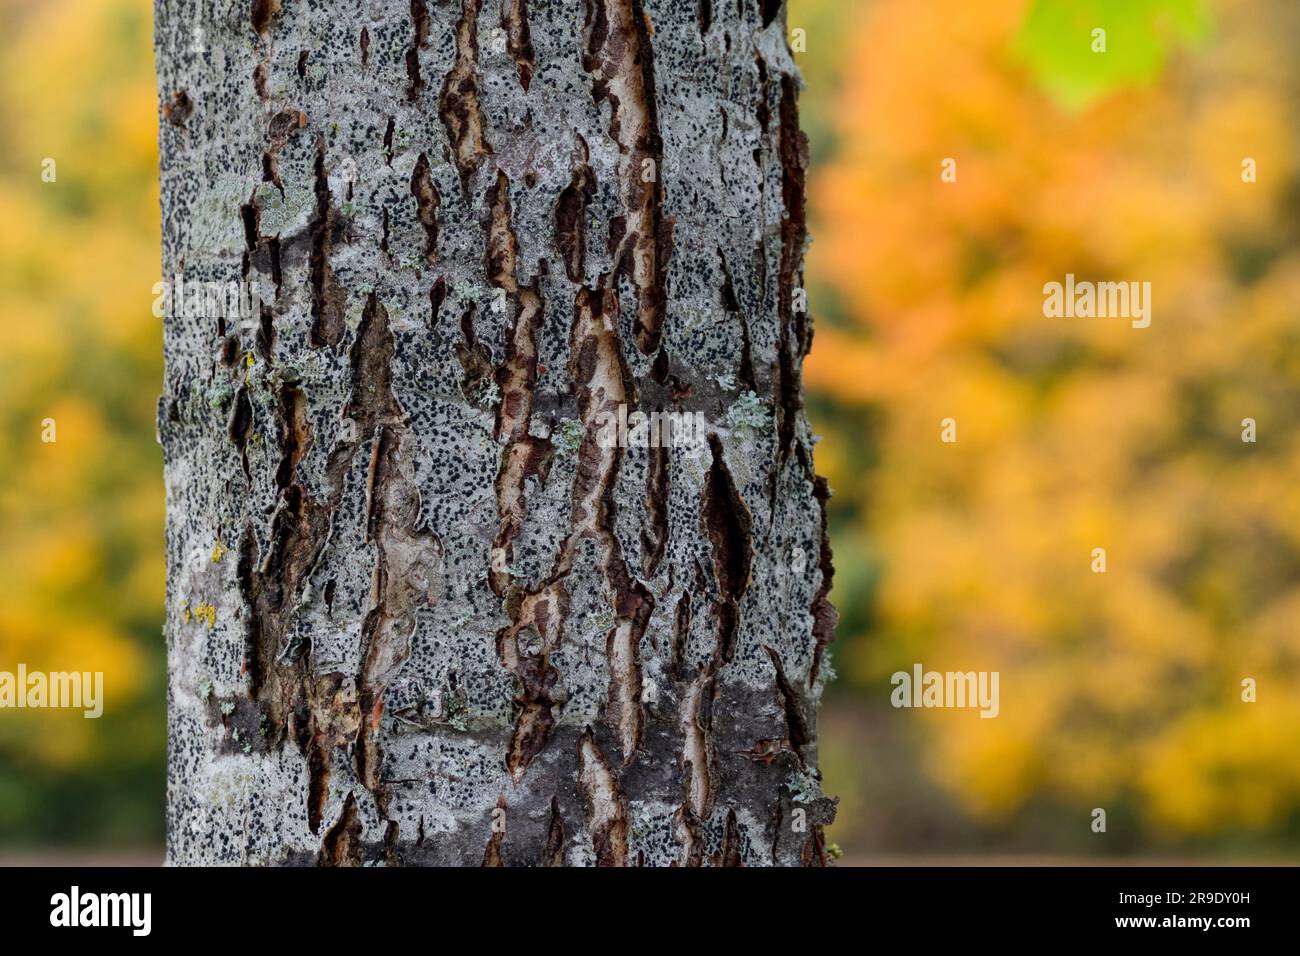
x: 1119, y: 690
x: 81, y: 566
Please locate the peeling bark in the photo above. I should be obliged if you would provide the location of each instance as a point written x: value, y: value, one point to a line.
x: 606, y: 805
x: 457, y: 624
x: 427, y: 202
x: 514, y: 18
x: 459, y: 105
x: 621, y: 60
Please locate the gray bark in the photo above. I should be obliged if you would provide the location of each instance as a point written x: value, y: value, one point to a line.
x: 418, y: 612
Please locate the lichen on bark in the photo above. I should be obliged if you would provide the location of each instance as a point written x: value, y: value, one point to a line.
x: 454, y: 626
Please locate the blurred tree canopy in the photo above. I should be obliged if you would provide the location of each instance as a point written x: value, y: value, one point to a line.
x: 81, y: 568
x: 1121, y: 689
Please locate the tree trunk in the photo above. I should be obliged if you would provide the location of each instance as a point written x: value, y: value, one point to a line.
x: 428, y: 601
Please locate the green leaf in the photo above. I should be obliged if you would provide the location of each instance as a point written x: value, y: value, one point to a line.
x: 1058, y: 43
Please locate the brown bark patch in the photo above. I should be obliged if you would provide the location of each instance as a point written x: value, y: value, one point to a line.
x: 519, y: 40
x: 342, y: 845
x: 619, y: 55
x: 261, y: 13
x: 458, y: 105
x: 427, y: 201
x: 607, y: 819
x: 327, y: 298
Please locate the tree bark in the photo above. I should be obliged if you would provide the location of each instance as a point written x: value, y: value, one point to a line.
x: 421, y: 608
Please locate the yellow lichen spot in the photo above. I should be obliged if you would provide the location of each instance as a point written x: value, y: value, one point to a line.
x: 218, y: 551
x: 186, y: 616
x: 207, y: 613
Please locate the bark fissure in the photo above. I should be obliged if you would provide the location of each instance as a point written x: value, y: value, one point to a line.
x: 519, y: 39
x: 730, y: 303
x: 420, y: 28
x: 261, y: 13
x: 793, y: 343
x: 524, y: 457
x: 458, y: 105
x: 654, y: 535
x: 327, y: 303
x: 427, y: 201
x: 825, y: 617
x: 606, y: 805
x: 571, y: 214
x: 728, y: 526
x: 599, y: 372
x: 620, y: 59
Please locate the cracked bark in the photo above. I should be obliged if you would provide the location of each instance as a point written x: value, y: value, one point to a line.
x: 455, y: 626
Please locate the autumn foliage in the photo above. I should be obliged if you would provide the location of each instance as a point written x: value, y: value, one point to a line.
x: 1123, y: 688
x: 1120, y: 689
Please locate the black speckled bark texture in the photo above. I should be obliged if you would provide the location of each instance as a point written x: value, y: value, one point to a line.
x: 420, y: 609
